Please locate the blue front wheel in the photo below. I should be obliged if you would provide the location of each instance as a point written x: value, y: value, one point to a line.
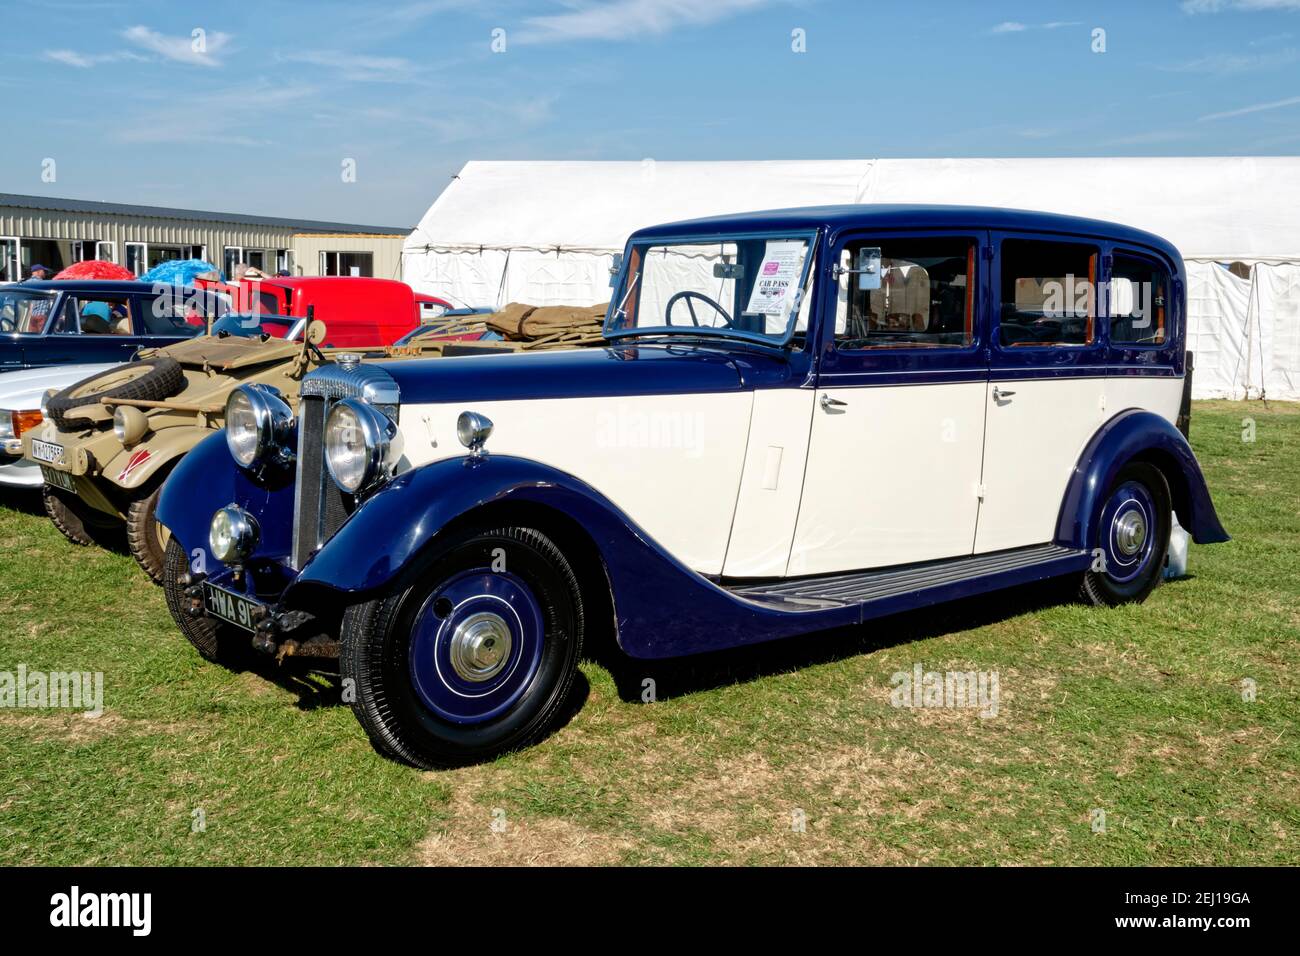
x: 475, y: 657
x: 1128, y: 553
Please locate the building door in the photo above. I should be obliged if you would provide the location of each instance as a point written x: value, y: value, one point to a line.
x: 10, y: 270
x: 137, y: 257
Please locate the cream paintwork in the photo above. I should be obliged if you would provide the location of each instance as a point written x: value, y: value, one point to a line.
x: 1159, y: 395
x: 892, y: 477
x: 771, y: 483
x: 1033, y: 438
x: 672, y: 463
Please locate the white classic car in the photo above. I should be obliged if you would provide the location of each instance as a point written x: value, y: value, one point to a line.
x: 803, y: 419
x: 21, y: 394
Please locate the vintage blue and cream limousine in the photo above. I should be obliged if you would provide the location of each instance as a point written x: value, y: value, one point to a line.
x: 800, y: 420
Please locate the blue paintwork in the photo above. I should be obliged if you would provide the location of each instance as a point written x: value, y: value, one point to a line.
x: 207, y: 479
x: 1136, y: 434
x: 435, y: 681
x: 36, y: 350
x: 637, y: 369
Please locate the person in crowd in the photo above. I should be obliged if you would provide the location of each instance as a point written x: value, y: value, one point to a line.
x: 41, y: 272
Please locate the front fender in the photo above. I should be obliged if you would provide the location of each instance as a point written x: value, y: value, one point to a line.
x: 662, y: 608
x: 1137, y: 435
x: 207, y: 479
x: 134, y: 467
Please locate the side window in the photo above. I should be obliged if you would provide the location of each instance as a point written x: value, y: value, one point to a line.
x: 1139, y: 293
x: 180, y: 311
x: 925, y: 300
x: 1047, y: 294
x: 93, y: 315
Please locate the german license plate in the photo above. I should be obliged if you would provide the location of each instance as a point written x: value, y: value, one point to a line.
x: 46, y: 451
x: 229, y: 606
x: 59, y: 479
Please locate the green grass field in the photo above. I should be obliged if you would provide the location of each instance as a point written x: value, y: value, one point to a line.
x: 1137, y: 712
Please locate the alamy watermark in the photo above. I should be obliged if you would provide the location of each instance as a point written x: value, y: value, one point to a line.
x: 971, y: 690
x: 44, y: 690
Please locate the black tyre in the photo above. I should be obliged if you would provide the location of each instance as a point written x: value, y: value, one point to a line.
x: 145, y: 537
x: 1132, y: 538
x: 76, y: 520
x: 216, y: 641
x: 151, y: 379
x: 474, y: 659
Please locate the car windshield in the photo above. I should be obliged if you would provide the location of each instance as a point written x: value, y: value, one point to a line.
x: 250, y: 326
x: 753, y: 287
x: 25, y: 311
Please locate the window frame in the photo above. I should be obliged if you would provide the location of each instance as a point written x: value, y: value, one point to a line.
x: 1171, y: 313
x: 1032, y: 354
x: 909, y: 361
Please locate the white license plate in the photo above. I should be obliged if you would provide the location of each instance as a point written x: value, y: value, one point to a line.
x: 229, y: 606
x: 46, y: 451
x: 59, y: 479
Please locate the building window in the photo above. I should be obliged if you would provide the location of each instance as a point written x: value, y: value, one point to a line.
x: 136, y: 255
x: 255, y: 259
x: 347, y: 264
x: 106, y: 251
x: 231, y: 256
x: 284, y: 260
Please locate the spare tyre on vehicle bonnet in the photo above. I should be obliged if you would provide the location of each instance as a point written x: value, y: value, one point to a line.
x: 148, y: 379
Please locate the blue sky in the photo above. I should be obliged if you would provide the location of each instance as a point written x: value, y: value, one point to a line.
x: 282, y: 93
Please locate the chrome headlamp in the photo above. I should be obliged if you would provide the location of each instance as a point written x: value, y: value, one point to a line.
x: 233, y: 534
x: 259, y: 427
x: 362, y: 445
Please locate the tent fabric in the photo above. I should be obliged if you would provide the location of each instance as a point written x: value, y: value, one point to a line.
x: 546, y: 232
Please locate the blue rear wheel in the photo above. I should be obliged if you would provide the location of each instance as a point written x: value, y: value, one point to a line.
x: 1132, y: 538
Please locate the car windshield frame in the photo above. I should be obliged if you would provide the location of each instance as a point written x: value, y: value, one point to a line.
x: 16, y: 289
x: 804, y: 297
x: 295, y: 324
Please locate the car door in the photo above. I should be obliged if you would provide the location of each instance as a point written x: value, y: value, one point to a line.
x: 1047, y: 379
x: 893, y: 463
x: 87, y: 327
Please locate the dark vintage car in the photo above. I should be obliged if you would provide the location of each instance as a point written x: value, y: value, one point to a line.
x: 799, y: 420
x: 66, y: 322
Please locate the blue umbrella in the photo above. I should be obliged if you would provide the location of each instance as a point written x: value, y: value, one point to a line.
x: 179, y: 271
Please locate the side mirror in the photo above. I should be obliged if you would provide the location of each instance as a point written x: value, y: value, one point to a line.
x: 615, y: 266
x: 868, y: 268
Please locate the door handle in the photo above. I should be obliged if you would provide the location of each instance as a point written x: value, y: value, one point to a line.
x: 999, y: 394
x: 829, y: 403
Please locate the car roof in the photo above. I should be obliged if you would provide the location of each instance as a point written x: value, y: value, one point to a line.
x: 87, y: 285
x: 907, y: 216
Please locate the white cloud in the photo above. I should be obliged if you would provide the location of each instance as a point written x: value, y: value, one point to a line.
x: 180, y: 49
x: 1015, y: 26
x: 85, y: 61
x: 1228, y: 63
x: 1249, y: 6
x: 1256, y: 108
x: 627, y: 19
x: 358, y: 67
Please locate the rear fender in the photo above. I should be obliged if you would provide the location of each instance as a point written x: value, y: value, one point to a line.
x: 1136, y: 435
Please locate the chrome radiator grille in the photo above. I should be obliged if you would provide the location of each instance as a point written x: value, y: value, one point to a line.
x: 320, y: 506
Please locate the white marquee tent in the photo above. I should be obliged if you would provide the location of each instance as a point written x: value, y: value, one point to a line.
x: 545, y: 232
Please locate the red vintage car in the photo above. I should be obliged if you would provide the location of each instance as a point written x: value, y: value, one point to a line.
x: 356, y: 311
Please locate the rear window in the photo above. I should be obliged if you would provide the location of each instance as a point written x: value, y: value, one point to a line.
x: 1139, y: 302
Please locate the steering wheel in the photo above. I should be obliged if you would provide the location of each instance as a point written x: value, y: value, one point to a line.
x: 688, y: 295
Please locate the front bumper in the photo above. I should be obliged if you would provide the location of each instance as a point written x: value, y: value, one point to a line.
x: 18, y: 472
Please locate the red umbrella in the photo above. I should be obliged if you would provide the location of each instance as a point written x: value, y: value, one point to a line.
x: 95, y: 269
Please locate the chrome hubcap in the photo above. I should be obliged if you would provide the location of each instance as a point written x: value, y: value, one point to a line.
x: 480, y: 646
x: 1130, y: 532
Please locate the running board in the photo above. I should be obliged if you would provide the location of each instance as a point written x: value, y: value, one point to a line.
x: 886, y: 590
